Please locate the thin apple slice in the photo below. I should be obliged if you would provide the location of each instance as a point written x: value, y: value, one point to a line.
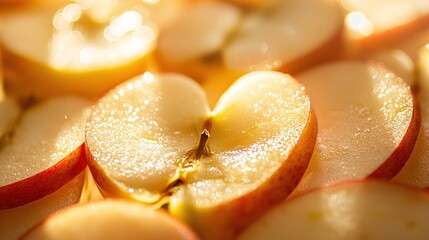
x: 355, y: 210
x: 368, y: 122
x: 16, y: 221
x: 374, y: 23
x: 83, y: 47
x: 416, y: 171
x: 45, y: 151
x: 154, y: 139
x: 110, y: 220
x: 286, y: 36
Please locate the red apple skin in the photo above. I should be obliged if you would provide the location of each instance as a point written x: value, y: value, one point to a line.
x: 43, y: 183
x: 396, y: 161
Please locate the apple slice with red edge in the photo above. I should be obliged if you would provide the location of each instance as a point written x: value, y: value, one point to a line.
x: 368, y: 122
x: 416, y: 170
x: 110, y: 219
x: 16, y: 221
x: 44, y: 152
x: 154, y: 139
x: 367, y: 209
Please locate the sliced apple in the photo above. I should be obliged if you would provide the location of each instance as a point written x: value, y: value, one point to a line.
x: 368, y: 122
x: 9, y: 111
x: 110, y: 220
x: 287, y: 36
x: 372, y: 24
x: 400, y: 63
x: 16, y: 221
x: 83, y: 47
x: 354, y: 210
x: 44, y: 152
x: 154, y: 139
x: 200, y: 32
x: 416, y: 171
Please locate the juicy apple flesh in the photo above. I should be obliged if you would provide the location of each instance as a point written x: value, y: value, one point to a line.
x: 154, y: 139
x: 366, y: 209
x: 44, y: 150
x: 368, y: 122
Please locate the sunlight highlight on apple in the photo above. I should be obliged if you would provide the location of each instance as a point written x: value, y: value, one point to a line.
x: 108, y: 40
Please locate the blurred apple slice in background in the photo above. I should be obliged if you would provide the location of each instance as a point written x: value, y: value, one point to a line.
x: 416, y: 170
x: 155, y: 140
x: 189, y: 44
x: 44, y: 151
x: 366, y: 209
x: 16, y: 221
x: 285, y: 36
x: 110, y: 220
x: 368, y: 122
x: 373, y: 24
x: 83, y: 47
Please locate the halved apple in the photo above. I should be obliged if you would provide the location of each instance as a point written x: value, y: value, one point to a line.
x: 354, y: 210
x: 110, y: 220
x: 44, y: 151
x: 16, y: 221
x: 368, y: 122
x: 155, y: 140
x: 83, y: 47
x: 416, y: 171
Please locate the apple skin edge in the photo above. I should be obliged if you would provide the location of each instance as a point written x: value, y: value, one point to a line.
x: 396, y: 161
x: 227, y: 220
x: 43, y: 183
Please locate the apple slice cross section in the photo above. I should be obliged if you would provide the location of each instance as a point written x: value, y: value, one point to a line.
x: 367, y: 209
x: 368, y: 122
x: 155, y: 140
x: 44, y: 152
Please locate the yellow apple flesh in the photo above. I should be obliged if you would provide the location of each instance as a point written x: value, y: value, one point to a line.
x: 110, y: 220
x: 154, y: 139
x: 76, y: 48
x: 368, y: 122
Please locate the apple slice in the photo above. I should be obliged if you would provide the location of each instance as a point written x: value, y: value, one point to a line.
x: 154, y: 139
x: 416, y: 171
x: 45, y: 151
x: 368, y: 122
x: 354, y: 210
x: 110, y: 219
x: 190, y: 44
x: 371, y: 24
x: 83, y: 47
x: 400, y: 63
x: 16, y: 221
x: 288, y: 36
x: 9, y: 111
